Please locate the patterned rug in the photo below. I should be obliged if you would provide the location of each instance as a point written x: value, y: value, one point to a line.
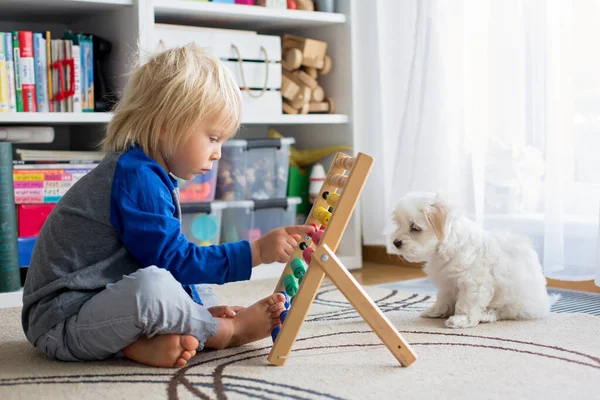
x: 336, y: 356
x: 570, y: 301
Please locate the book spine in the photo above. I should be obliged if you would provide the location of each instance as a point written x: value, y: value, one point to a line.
x: 10, y: 276
x: 89, y: 66
x: 3, y: 78
x: 27, y: 71
x: 17, y: 61
x: 10, y: 72
x: 77, y: 106
x: 49, y: 71
x: 39, y: 48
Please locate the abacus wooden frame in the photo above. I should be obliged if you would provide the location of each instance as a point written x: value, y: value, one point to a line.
x: 325, y: 262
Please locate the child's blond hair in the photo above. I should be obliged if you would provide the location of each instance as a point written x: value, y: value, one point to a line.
x: 171, y: 93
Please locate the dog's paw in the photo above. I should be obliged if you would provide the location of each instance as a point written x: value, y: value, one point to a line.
x: 489, y: 316
x: 435, y: 312
x: 461, y: 321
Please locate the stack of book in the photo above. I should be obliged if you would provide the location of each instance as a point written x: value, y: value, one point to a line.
x: 44, y: 177
x: 41, y: 74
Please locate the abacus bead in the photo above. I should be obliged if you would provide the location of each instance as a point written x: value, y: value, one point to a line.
x: 290, y: 284
x: 283, y: 315
x: 307, y: 254
x: 298, y: 267
x: 317, y: 237
x: 275, y: 332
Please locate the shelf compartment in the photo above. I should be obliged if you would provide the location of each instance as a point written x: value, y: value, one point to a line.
x: 241, y: 16
x: 57, y: 11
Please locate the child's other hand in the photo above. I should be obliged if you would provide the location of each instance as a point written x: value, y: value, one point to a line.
x: 224, y: 311
x: 279, y: 244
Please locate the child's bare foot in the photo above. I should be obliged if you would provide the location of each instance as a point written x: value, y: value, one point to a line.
x: 250, y: 324
x: 169, y: 351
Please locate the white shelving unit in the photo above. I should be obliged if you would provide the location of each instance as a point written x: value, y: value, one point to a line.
x: 128, y: 25
x: 93, y: 118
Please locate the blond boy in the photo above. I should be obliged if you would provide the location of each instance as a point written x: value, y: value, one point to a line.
x: 111, y: 274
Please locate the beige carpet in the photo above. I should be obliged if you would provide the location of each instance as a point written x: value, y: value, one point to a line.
x: 337, y: 357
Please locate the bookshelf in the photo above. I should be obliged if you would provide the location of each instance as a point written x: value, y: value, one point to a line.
x: 128, y: 25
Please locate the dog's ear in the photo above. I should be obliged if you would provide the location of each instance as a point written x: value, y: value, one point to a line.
x: 437, y: 215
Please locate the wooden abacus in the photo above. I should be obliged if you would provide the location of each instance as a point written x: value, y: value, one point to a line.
x: 315, y: 258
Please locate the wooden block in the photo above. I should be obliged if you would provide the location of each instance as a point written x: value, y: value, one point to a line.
x: 326, y: 66
x: 319, y: 107
x: 305, y: 108
x: 317, y: 62
x: 292, y: 59
x: 306, y: 79
x: 312, y: 72
x: 302, y: 98
x: 289, y: 88
x: 288, y: 109
x: 318, y: 95
x: 313, y: 51
x: 327, y: 106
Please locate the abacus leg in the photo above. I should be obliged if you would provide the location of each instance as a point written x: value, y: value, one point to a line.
x: 345, y: 282
x: 297, y: 313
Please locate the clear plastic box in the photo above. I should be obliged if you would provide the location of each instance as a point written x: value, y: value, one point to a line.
x: 201, y: 222
x: 250, y: 219
x: 254, y: 169
x: 201, y: 188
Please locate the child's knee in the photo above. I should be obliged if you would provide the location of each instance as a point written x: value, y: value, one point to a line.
x: 152, y: 280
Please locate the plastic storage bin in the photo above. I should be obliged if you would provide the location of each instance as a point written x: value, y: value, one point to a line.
x: 254, y: 169
x: 200, y: 189
x: 201, y: 222
x: 250, y: 219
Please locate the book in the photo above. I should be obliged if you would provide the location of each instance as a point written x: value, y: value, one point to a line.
x: 27, y: 71
x: 10, y: 71
x: 77, y: 106
x: 49, y: 69
x: 58, y: 155
x: 41, y: 89
x: 4, y: 90
x: 17, y: 61
x: 10, y: 275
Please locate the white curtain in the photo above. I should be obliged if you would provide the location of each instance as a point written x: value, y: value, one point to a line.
x: 495, y: 104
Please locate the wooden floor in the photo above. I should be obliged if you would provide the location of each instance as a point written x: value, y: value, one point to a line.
x: 376, y: 273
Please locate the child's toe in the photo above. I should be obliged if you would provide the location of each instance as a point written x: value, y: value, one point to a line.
x: 189, y: 342
x: 277, y: 298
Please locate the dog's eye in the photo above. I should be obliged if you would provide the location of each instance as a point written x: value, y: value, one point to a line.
x: 414, y: 228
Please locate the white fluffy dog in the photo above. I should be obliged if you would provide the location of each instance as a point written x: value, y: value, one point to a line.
x: 480, y: 276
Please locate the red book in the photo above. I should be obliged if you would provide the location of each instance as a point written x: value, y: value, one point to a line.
x: 27, y: 69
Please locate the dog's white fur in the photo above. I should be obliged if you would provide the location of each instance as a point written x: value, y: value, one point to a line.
x: 480, y: 276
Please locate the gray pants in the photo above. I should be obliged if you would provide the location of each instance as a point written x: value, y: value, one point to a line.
x: 146, y: 303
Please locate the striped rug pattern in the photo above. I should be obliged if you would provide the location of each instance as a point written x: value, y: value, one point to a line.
x: 569, y: 302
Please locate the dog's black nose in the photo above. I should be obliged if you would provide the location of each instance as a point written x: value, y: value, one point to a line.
x: 398, y: 243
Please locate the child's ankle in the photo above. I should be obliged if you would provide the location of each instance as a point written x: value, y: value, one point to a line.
x: 224, y: 336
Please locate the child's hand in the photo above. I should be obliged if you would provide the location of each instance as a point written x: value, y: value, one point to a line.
x: 279, y: 244
x: 224, y: 311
